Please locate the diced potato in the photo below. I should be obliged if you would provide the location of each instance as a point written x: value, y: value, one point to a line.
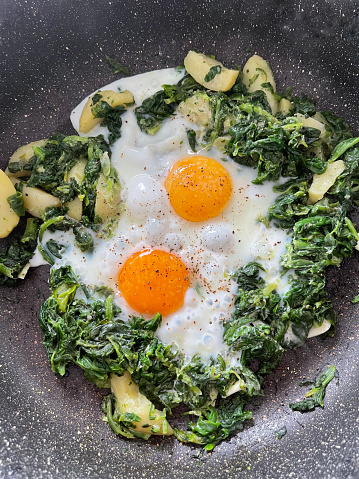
x: 221, y: 142
x: 284, y: 106
x: 318, y: 116
x: 317, y: 330
x: 77, y: 172
x: 322, y: 183
x: 8, y: 218
x: 36, y: 200
x: 23, y: 155
x: 88, y: 121
x: 108, y: 200
x: 312, y: 123
x: 256, y: 72
x: 130, y: 400
x: 74, y: 208
x: 198, y: 65
x: 196, y: 109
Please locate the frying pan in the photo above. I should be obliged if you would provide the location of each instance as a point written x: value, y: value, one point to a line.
x: 52, y: 55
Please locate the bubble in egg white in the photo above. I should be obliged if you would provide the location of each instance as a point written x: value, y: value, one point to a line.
x: 217, y: 238
x: 145, y: 197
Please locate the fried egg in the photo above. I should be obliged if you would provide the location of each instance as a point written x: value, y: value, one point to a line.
x: 189, y: 221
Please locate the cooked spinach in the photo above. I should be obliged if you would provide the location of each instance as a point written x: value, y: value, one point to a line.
x: 17, y: 203
x: 155, y: 109
x: 281, y: 432
x: 192, y: 139
x: 111, y: 116
x: 213, y: 71
x: 15, y: 257
x: 315, y: 397
x: 117, y: 67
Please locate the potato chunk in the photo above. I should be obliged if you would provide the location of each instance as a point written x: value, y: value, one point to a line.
x: 130, y: 400
x: 88, y: 121
x: 74, y: 209
x: 22, y: 155
x: 198, y: 66
x: 36, y: 200
x: 284, y: 106
x: 8, y: 218
x: 196, y: 109
x: 77, y: 172
x: 322, y: 183
x: 256, y: 72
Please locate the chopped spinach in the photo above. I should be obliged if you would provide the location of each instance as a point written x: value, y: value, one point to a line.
x: 117, y: 67
x: 315, y: 397
x: 15, y: 257
x: 213, y: 71
x: 192, y: 139
x: 281, y: 432
x: 111, y: 116
x: 17, y: 203
x: 155, y: 109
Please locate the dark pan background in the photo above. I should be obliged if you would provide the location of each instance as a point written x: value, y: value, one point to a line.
x: 52, y: 55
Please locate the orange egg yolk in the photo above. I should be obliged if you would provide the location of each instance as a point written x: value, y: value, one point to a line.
x: 153, y: 281
x: 198, y: 187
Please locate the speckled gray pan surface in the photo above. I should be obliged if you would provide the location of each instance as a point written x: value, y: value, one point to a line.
x: 52, y: 54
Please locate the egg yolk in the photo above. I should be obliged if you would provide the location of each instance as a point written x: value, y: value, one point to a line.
x: 153, y: 281
x: 198, y: 187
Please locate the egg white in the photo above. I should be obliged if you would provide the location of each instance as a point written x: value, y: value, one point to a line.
x: 212, y: 250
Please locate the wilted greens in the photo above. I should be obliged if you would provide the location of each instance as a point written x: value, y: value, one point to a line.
x: 82, y: 326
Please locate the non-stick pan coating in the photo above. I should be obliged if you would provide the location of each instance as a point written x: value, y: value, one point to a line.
x: 52, y: 55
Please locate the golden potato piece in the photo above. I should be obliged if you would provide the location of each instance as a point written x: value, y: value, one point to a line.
x: 36, y: 200
x: 77, y: 172
x: 22, y: 155
x: 198, y: 66
x: 322, y: 183
x: 196, y: 109
x: 284, y: 106
x: 130, y: 400
x: 88, y: 121
x: 8, y: 218
x: 312, y: 123
x: 74, y: 208
x: 256, y: 72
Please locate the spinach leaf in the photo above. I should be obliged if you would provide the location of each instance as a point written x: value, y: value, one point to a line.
x: 117, y: 67
x: 155, y: 109
x: 192, y: 139
x: 213, y: 71
x: 16, y: 202
x: 111, y: 116
x: 315, y: 397
x: 15, y: 257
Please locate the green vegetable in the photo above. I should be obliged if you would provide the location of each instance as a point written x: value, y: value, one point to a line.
x: 315, y: 397
x: 111, y: 116
x: 16, y: 256
x: 17, y: 203
x: 117, y: 67
x: 161, y: 105
x: 281, y: 432
x: 191, y: 135
x: 215, y: 70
